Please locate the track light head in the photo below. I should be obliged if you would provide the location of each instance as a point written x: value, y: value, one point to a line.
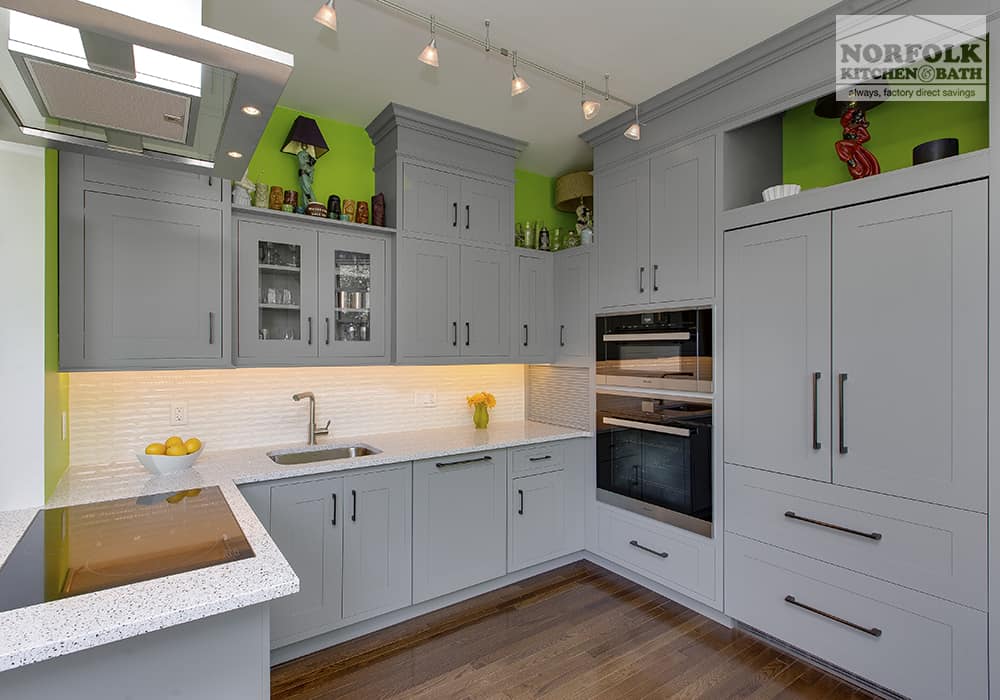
x: 517, y: 83
x: 634, y: 131
x: 327, y: 15
x: 590, y: 109
x: 430, y: 54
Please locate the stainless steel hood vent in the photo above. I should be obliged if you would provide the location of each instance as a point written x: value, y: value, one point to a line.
x: 79, y: 76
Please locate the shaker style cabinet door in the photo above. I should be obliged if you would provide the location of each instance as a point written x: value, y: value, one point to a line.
x: 427, y: 289
x: 377, y: 542
x: 777, y: 336
x: 622, y: 231
x: 276, y: 294
x: 152, y: 282
x: 537, y: 529
x: 459, y: 522
x: 353, y: 288
x: 573, y: 324
x: 431, y: 201
x: 533, y: 317
x: 485, y: 303
x: 682, y: 223
x: 486, y: 212
x: 910, y: 346
x: 307, y: 521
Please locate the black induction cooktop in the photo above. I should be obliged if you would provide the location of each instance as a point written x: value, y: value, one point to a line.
x: 80, y: 549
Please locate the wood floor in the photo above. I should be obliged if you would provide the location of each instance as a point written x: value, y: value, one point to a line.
x: 576, y: 632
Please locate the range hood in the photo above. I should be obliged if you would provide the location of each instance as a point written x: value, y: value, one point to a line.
x: 137, y: 79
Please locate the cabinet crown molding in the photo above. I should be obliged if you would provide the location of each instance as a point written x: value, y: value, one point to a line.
x: 396, y: 115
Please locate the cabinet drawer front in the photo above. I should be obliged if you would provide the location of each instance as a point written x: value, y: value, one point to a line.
x: 941, y: 551
x: 641, y: 544
x: 538, y: 458
x: 908, y: 642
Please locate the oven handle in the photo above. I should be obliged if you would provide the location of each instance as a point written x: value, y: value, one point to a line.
x: 654, y: 427
x: 633, y: 337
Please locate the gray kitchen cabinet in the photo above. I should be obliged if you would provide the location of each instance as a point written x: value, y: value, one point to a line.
x: 485, y: 302
x: 147, y: 180
x: 431, y: 199
x: 910, y: 323
x: 427, y: 293
x: 682, y: 223
x: 537, y: 524
x: 277, y: 292
x: 777, y: 359
x: 487, y: 211
x: 622, y: 231
x: 574, y: 323
x: 533, y: 307
x: 353, y: 296
x: 377, y: 542
x: 141, y: 283
x: 306, y: 522
x: 459, y: 522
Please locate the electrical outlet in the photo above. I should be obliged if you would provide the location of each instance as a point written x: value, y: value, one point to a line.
x: 424, y: 399
x: 178, y: 413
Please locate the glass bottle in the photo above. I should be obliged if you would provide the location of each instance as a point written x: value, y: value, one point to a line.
x: 530, y: 241
x: 519, y: 235
x: 544, y: 243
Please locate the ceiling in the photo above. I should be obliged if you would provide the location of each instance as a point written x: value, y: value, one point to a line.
x: 646, y: 45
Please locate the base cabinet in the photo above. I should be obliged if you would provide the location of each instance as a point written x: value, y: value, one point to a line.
x: 914, y: 644
x: 537, y: 530
x: 459, y: 522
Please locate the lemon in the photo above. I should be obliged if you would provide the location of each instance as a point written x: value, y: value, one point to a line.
x: 156, y: 448
x: 192, y: 445
x: 173, y: 440
x: 176, y: 451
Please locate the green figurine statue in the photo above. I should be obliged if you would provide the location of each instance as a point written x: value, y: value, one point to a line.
x: 306, y: 165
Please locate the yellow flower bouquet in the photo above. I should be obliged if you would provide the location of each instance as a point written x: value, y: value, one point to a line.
x: 482, y: 403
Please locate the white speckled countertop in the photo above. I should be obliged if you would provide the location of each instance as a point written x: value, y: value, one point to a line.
x: 48, y: 630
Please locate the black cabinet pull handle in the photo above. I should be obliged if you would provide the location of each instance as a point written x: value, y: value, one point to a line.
x: 656, y: 287
x: 467, y: 217
x: 354, y: 506
x: 562, y: 336
x: 484, y: 458
x: 841, y: 382
x: 468, y: 334
x: 211, y: 328
x: 816, y: 443
x: 661, y: 555
x: 642, y: 272
x: 525, y: 335
x: 310, y: 322
x: 520, y: 510
x: 327, y: 330
x: 873, y: 631
x: 539, y: 459
x: 334, y: 521
x: 454, y: 220
x: 454, y: 333
x: 792, y: 515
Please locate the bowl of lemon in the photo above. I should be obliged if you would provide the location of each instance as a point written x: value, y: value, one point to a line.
x: 172, y: 455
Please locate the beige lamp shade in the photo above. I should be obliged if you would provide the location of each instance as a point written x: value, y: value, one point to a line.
x: 571, y: 187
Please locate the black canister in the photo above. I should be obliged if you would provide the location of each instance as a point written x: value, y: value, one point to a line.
x: 333, y: 207
x: 935, y: 150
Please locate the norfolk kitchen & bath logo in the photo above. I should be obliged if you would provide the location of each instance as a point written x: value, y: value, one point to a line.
x: 937, y: 58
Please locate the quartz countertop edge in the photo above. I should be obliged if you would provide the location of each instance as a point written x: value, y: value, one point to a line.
x: 48, y: 630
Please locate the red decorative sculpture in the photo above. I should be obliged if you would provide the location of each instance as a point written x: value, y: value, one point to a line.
x: 850, y: 149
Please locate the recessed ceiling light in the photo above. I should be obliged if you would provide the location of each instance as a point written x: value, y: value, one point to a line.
x: 234, y: 154
x: 251, y: 110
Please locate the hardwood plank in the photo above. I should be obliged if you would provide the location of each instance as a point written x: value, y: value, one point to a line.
x: 576, y: 632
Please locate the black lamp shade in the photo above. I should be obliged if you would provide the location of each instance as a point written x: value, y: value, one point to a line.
x: 305, y: 134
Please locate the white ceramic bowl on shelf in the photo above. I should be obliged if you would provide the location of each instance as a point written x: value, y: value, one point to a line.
x: 165, y: 464
x: 779, y: 191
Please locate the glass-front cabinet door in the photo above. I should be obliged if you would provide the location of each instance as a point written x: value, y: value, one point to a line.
x: 277, y: 292
x: 352, y: 296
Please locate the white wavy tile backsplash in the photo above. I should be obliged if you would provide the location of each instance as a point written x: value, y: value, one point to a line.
x: 112, y: 414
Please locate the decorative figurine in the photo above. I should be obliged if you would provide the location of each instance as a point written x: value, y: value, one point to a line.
x: 333, y: 207
x: 306, y: 142
x: 260, y: 195
x: 361, y: 216
x: 276, y: 199
x: 291, y: 202
x: 378, y: 209
x: 347, y: 212
x: 543, y: 237
x: 241, y: 191
x: 584, y: 224
x: 854, y: 121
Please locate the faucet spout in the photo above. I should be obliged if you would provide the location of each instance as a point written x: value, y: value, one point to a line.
x: 311, y: 430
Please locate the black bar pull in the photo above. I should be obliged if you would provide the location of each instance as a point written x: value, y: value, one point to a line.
x: 873, y: 631
x: 454, y: 333
x: 310, y: 321
x: 211, y: 328
x: 642, y: 271
x: 841, y: 382
x: 468, y: 334
x: 484, y: 458
x: 539, y: 459
x: 327, y: 330
x: 467, y: 217
x: 792, y: 515
x: 525, y: 335
x: 562, y: 336
x: 354, y: 506
x: 334, y: 521
x: 816, y: 443
x: 454, y: 220
x: 656, y: 287
x: 520, y: 510
x: 661, y: 555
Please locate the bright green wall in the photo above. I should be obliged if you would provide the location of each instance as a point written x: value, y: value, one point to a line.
x: 534, y: 200
x: 808, y: 157
x: 56, y: 382
x: 346, y: 170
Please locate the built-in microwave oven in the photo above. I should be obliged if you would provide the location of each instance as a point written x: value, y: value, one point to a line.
x: 654, y: 457
x: 669, y: 350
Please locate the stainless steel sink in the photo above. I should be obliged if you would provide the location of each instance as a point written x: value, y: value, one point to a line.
x: 323, y: 454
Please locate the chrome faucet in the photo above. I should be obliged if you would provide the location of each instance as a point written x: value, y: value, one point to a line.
x: 312, y: 431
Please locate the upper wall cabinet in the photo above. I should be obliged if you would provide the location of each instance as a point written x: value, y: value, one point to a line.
x: 656, y: 228
x: 143, y: 270
x: 440, y: 204
x: 533, y: 306
x: 574, y: 324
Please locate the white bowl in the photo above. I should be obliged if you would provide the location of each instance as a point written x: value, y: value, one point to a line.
x: 779, y: 191
x: 165, y: 464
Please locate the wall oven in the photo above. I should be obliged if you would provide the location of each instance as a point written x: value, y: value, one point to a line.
x: 669, y: 350
x: 654, y: 457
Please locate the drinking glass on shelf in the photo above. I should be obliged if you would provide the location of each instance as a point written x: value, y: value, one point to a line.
x: 272, y: 295
x: 286, y: 296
